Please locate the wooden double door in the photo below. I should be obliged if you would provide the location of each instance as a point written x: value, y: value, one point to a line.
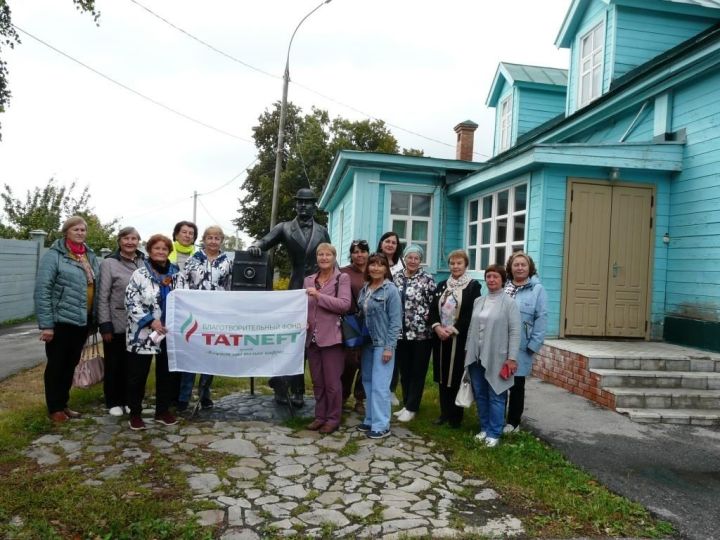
x: 609, y: 255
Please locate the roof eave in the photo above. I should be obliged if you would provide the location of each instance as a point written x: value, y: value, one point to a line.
x: 664, y: 157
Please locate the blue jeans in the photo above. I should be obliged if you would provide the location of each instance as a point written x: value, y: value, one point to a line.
x: 187, y: 380
x: 376, y: 376
x: 490, y: 406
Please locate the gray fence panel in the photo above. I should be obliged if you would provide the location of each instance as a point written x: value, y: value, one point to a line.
x: 18, y: 269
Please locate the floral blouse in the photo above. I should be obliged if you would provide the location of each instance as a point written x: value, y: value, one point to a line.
x: 416, y: 293
x: 201, y: 274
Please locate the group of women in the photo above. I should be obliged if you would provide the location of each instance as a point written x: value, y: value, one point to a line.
x: 126, y: 296
x: 490, y: 339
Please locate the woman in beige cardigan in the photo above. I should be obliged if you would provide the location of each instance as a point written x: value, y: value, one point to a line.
x: 491, y: 353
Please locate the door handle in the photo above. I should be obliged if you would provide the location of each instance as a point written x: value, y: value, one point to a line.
x: 615, y: 268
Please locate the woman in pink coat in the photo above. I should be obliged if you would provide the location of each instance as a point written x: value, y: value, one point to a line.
x: 328, y: 293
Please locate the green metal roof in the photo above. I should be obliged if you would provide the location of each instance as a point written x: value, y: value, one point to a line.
x: 526, y: 75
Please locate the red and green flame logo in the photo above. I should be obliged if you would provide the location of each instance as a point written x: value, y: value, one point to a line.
x: 189, y: 327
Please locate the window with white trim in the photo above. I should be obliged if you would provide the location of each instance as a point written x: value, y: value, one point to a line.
x: 496, y: 226
x: 411, y: 217
x: 590, y: 65
x: 505, y: 123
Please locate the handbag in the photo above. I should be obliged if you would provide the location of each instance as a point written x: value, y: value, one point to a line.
x: 354, y: 331
x: 90, y: 369
x: 465, y: 397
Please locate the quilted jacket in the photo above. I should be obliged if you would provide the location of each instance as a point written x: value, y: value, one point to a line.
x: 61, y: 288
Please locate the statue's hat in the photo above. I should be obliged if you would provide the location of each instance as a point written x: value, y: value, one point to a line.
x: 305, y: 194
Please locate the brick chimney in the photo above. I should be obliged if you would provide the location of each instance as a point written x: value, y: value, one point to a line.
x: 465, y: 139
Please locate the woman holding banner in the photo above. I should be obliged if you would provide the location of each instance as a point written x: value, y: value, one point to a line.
x: 145, y: 302
x: 207, y: 270
x: 328, y: 293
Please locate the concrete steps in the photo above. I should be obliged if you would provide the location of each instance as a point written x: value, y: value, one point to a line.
x: 662, y: 390
x: 650, y: 381
x: 636, y: 378
x: 666, y: 398
x: 695, y: 417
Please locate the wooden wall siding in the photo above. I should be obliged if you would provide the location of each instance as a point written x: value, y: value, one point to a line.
x: 613, y: 129
x: 536, y: 107
x: 452, y: 231
x: 551, y: 243
x: 693, y: 267
x: 18, y: 260
x: 642, y: 35
x: 345, y: 208
x: 595, y: 13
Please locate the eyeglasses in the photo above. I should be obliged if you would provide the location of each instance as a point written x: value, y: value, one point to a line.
x: 362, y: 244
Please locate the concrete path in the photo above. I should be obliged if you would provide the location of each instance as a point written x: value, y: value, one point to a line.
x: 286, y: 483
x: 673, y: 470
x: 20, y: 348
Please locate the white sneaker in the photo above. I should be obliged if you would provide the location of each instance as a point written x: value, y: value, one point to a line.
x: 480, y: 437
x: 394, y: 401
x: 116, y: 411
x: 398, y: 413
x: 491, y: 442
x: 509, y: 428
x: 406, y: 416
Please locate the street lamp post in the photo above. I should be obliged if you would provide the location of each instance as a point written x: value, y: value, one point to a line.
x: 281, y: 127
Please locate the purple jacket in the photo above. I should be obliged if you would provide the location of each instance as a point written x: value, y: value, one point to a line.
x: 324, y: 312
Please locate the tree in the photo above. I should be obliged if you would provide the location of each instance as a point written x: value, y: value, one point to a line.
x: 232, y: 243
x: 99, y: 235
x: 311, y: 142
x: 47, y: 209
x: 9, y: 37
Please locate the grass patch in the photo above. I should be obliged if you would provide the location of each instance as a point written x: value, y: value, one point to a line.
x: 11, y: 322
x: 350, y: 448
x: 57, y: 503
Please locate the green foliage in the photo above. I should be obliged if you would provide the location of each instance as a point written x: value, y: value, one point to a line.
x: 9, y: 37
x: 47, y: 208
x: 311, y: 142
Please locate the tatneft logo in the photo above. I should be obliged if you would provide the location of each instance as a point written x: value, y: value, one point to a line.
x: 234, y: 335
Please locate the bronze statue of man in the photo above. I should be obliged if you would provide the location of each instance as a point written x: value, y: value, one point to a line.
x: 301, y: 237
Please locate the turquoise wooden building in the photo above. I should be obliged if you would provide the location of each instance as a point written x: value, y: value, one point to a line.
x: 607, y: 174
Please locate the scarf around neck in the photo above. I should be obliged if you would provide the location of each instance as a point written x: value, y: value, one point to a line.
x: 185, y: 250
x: 163, y: 276
x: 79, y: 253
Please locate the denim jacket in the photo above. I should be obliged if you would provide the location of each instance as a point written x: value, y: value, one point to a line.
x: 382, y: 314
x: 531, y: 298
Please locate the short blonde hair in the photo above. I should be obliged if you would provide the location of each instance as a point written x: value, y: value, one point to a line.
x: 71, y: 222
x: 459, y: 254
x: 214, y: 229
x: 327, y: 247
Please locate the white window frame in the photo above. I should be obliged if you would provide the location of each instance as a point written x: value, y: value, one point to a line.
x: 409, y: 219
x: 505, y: 136
x: 591, y: 59
x: 475, y: 246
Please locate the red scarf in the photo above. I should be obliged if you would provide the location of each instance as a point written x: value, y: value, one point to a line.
x: 76, y: 249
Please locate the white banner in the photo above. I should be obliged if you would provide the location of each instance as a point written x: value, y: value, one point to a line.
x: 237, y: 333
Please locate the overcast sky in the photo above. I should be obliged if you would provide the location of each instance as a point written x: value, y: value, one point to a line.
x: 421, y: 66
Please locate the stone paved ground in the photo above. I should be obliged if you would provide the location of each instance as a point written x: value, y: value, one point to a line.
x: 282, y: 482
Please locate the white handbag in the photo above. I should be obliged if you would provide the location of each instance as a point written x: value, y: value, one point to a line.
x: 465, y: 396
